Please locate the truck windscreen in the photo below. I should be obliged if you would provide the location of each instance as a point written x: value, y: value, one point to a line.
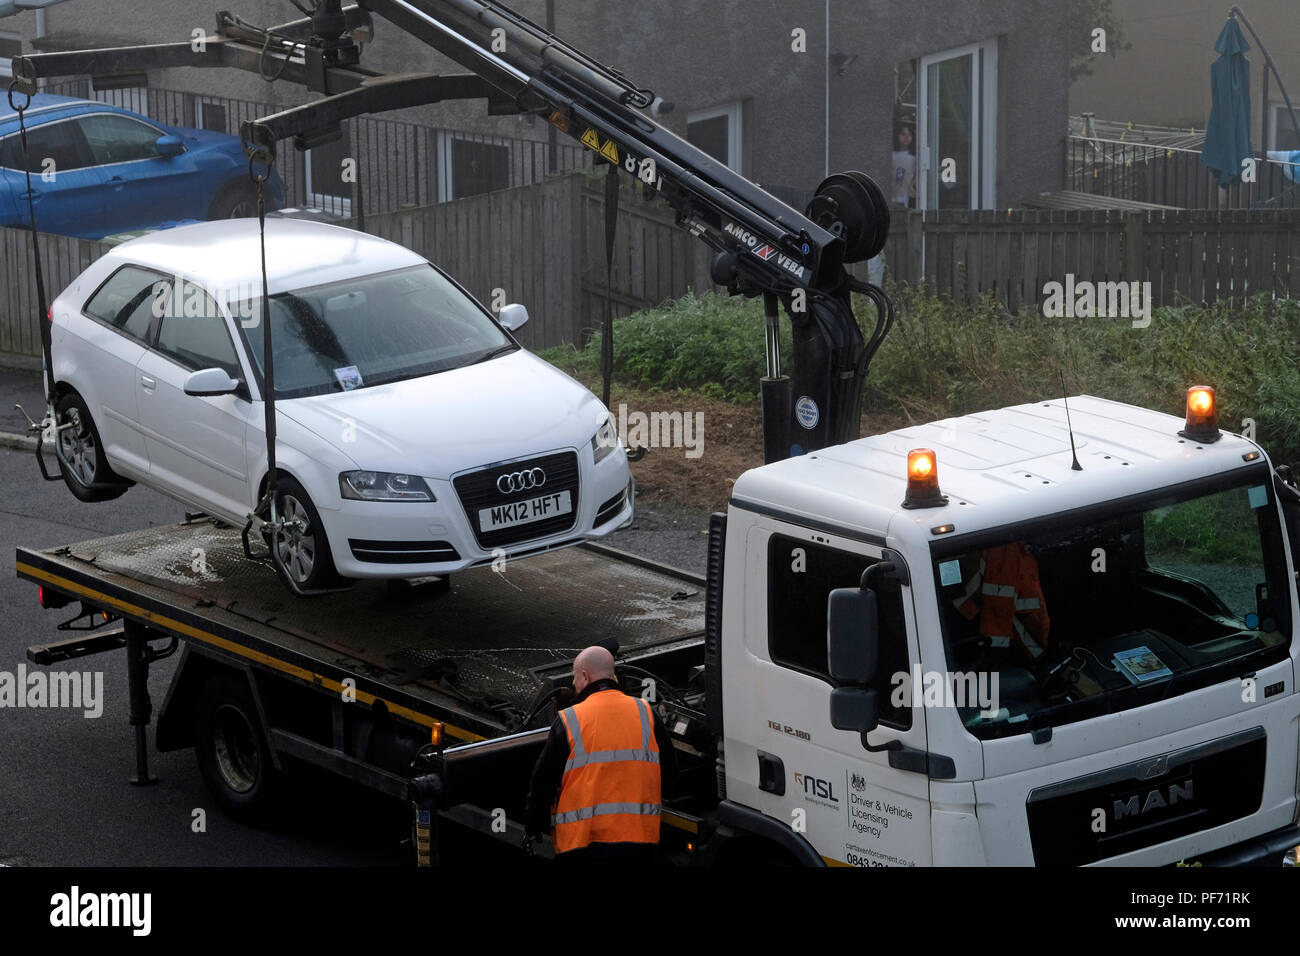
x: 1103, y: 610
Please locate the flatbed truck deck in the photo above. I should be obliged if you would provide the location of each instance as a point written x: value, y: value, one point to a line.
x: 356, y: 682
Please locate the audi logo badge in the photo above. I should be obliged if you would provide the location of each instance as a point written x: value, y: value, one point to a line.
x: 521, y: 481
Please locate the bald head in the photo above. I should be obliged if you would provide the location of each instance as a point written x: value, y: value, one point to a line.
x: 592, y: 664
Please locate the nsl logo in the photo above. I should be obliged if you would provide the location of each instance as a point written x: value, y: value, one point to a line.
x: 816, y: 787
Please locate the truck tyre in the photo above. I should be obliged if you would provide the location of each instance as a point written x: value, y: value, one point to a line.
x: 81, y: 454
x: 232, y: 750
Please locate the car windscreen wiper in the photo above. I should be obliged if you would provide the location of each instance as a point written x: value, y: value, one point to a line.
x: 494, y: 353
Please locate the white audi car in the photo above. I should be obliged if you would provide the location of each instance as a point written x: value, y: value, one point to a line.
x: 415, y: 436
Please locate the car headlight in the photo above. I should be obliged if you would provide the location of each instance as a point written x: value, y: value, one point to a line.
x: 383, y: 486
x: 604, y: 441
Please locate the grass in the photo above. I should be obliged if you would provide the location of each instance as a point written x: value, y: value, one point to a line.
x: 943, y: 360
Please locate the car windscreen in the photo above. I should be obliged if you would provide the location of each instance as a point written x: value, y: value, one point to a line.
x: 358, y: 333
x: 1115, y: 608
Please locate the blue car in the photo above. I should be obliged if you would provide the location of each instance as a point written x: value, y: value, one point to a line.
x: 97, y: 170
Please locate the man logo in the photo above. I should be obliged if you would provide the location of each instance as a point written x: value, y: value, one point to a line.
x: 1157, y: 799
x: 1157, y: 767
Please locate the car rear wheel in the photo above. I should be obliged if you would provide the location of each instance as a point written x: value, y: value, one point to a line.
x: 81, y: 453
x: 303, y: 549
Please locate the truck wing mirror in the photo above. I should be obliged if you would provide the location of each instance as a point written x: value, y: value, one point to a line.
x: 853, y: 708
x: 852, y: 636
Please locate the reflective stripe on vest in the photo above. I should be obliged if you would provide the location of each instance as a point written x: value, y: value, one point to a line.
x: 610, y: 794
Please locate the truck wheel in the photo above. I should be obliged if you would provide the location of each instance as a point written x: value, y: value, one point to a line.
x: 232, y: 751
x: 301, y: 544
x: 81, y: 454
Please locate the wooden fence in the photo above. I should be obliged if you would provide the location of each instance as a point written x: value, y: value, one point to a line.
x: 544, y: 246
x: 1188, y: 256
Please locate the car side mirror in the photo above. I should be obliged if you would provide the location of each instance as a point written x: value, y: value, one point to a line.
x: 169, y: 146
x: 211, y: 381
x: 514, y: 317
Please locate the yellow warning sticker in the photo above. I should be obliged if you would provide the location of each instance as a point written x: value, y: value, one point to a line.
x: 591, y: 139
x: 610, y: 151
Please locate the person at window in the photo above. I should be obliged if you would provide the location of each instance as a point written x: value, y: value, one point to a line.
x: 1007, y: 597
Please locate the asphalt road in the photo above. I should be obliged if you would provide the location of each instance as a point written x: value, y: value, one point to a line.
x: 65, y: 798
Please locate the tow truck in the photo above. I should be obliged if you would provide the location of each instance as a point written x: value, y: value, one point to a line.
x: 1054, y: 634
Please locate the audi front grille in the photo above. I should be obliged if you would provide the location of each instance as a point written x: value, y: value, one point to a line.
x: 482, y: 489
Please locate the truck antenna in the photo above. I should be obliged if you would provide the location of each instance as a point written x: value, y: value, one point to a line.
x: 1076, y: 466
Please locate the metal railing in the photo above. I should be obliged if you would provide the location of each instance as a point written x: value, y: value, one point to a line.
x: 1169, y: 175
x: 378, y: 165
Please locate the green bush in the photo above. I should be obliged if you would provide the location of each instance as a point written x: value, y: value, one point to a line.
x: 942, y: 360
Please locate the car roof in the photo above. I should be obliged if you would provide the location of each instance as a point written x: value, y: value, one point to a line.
x: 225, y: 255
x: 997, y: 468
x: 47, y: 103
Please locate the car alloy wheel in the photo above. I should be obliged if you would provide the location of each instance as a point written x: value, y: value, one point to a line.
x: 77, y: 448
x: 296, y: 541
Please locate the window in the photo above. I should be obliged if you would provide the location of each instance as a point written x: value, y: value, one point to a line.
x: 1281, y: 130
x: 958, y: 128
x: 718, y: 132
x: 119, y: 139
x: 194, y: 333
x: 801, y: 576
x: 61, y: 142
x: 211, y: 116
x: 326, y: 186
x: 1118, y: 606
x: 126, y: 300
x: 11, y: 45
x: 470, y: 167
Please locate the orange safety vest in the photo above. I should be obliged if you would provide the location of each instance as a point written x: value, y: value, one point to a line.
x: 1011, y: 599
x: 610, y: 789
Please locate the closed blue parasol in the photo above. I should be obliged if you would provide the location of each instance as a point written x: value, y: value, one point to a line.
x: 1227, y: 135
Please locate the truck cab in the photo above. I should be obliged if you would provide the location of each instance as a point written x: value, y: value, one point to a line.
x: 1044, y: 665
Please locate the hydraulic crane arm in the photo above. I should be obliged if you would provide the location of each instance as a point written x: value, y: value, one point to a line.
x: 763, y: 247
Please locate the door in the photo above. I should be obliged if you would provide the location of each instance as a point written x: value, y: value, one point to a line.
x: 196, y: 444
x: 144, y: 187
x: 66, y: 187
x: 958, y: 128
x: 108, y: 344
x: 783, y: 757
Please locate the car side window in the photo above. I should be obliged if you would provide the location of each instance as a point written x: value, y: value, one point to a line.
x: 60, y: 143
x: 126, y: 300
x: 118, y: 139
x: 193, y: 332
x: 801, y: 576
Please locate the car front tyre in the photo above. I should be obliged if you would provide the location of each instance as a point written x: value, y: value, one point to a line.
x: 81, y: 453
x: 301, y: 544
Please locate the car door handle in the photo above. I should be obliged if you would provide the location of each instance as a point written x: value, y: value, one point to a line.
x: 148, y: 383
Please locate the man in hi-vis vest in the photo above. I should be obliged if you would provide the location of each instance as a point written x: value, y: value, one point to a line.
x: 598, y: 783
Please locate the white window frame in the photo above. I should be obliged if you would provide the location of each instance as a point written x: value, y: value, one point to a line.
x: 984, y: 121
x: 734, y: 112
x: 6, y: 64
x: 200, y: 102
x: 1278, y: 117
x: 446, y: 166
x: 328, y: 202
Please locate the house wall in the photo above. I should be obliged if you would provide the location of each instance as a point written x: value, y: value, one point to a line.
x: 703, y: 53
x: 1165, y: 78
